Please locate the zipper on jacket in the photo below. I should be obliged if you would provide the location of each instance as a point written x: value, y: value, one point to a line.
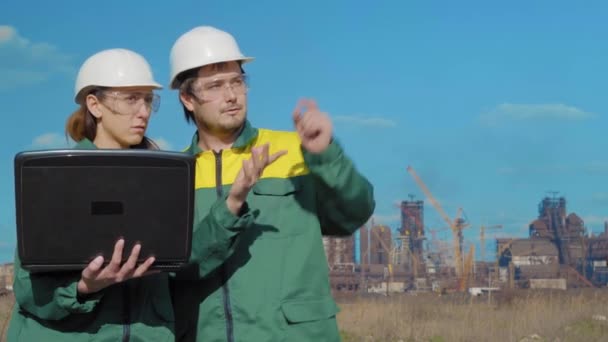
x: 225, y: 291
x: 126, y: 313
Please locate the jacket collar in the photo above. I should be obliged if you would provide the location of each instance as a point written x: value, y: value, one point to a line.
x: 245, y: 138
x: 86, y: 144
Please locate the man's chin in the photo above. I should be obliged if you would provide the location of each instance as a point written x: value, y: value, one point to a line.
x: 232, y: 124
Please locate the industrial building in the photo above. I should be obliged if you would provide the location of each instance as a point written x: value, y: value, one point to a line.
x: 557, y: 253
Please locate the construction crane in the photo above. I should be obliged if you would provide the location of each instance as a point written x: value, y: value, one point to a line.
x: 469, y: 261
x: 482, y: 238
x: 456, y: 225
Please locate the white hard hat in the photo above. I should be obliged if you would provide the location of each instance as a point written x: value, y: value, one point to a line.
x: 113, y: 68
x: 202, y: 46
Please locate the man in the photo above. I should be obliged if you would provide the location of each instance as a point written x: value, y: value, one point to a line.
x: 274, y: 285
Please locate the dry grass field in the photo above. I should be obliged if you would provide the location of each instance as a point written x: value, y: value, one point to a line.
x: 6, y: 305
x: 526, y: 315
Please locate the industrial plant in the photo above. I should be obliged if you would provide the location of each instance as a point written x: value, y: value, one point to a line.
x: 558, y: 253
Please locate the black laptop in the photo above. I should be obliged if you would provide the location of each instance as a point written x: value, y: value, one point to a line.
x: 73, y: 205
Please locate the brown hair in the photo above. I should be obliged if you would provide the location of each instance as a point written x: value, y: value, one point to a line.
x: 83, y: 125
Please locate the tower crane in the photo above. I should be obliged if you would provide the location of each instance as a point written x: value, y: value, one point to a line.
x: 456, y: 225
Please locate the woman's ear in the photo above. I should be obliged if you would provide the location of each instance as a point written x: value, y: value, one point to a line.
x: 93, y: 105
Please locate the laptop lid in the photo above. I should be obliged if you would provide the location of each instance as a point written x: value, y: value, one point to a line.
x: 73, y: 205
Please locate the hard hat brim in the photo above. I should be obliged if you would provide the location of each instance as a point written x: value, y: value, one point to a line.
x: 84, y: 91
x: 174, y: 84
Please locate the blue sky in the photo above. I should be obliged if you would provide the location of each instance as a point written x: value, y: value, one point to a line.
x: 492, y: 103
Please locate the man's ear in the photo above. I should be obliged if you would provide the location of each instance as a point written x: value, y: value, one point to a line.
x: 187, y: 100
x: 93, y: 105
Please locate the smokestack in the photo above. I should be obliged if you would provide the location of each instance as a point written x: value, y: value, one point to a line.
x: 364, y: 254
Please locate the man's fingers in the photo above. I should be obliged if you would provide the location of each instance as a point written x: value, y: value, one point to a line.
x: 264, y: 155
x: 311, y: 105
x: 255, y: 158
x: 307, y: 104
x: 308, y: 121
x: 251, y: 172
x: 296, y: 115
x: 272, y: 158
x: 248, y: 171
x: 304, y: 106
x: 117, y: 255
x: 308, y: 125
x: 93, y: 268
x: 299, y: 128
x: 297, y: 112
x: 143, y: 268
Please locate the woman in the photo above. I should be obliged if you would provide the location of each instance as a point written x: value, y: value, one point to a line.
x: 114, y: 89
x: 117, y: 303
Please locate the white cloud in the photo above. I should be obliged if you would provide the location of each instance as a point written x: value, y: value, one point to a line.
x: 51, y: 140
x: 24, y: 63
x: 365, y: 121
x: 163, y: 143
x: 527, y: 112
x: 6, y: 33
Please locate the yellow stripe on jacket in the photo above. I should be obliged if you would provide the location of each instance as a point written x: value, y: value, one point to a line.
x: 290, y: 165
